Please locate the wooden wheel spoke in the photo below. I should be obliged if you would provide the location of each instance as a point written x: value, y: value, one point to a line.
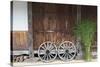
x: 44, y: 56
x: 63, y: 55
x: 49, y: 56
x: 53, y: 52
x: 42, y: 48
x: 61, y: 51
x: 72, y: 50
x: 70, y: 55
x: 52, y: 55
x: 42, y: 52
x: 66, y: 56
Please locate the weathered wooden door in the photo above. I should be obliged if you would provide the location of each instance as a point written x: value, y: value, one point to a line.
x: 52, y: 22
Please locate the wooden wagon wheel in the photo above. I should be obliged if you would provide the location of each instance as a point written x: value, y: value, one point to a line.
x: 66, y: 51
x: 47, y: 51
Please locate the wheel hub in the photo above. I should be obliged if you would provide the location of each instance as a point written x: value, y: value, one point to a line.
x: 66, y: 51
x: 47, y: 51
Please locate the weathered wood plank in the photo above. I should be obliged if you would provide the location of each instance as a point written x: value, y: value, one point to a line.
x: 19, y: 39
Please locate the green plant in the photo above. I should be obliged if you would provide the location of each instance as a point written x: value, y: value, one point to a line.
x: 86, y: 30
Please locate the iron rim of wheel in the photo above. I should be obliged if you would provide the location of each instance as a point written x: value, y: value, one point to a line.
x: 67, y: 51
x: 47, y: 51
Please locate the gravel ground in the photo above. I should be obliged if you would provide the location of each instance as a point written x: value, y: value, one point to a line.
x: 31, y: 62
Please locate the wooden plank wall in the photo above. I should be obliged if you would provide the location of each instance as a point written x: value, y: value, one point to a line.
x: 19, y: 40
x: 59, y: 19
x: 89, y: 12
x: 53, y: 22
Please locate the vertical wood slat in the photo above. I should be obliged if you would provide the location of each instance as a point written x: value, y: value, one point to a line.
x: 20, y: 40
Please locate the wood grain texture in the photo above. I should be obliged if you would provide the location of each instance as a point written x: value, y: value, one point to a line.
x: 52, y: 22
x: 19, y: 39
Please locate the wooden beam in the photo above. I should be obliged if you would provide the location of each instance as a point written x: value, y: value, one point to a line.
x: 30, y: 32
x: 78, y: 13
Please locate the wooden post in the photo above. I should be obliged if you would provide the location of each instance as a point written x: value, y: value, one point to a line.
x: 78, y: 14
x: 30, y: 32
x: 11, y: 33
x: 78, y: 43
